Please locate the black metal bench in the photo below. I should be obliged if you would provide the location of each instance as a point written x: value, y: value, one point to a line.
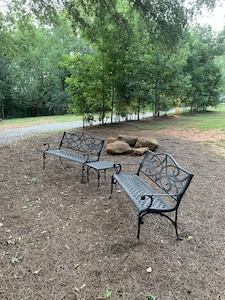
x: 157, y: 187
x: 79, y: 147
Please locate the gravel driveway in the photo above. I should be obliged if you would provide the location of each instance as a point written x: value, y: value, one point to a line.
x: 8, y: 136
x: 11, y: 135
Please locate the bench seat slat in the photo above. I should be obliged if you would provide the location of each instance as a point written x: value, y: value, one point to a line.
x: 135, y: 188
x: 69, y: 155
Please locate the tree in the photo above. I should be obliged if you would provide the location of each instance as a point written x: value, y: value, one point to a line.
x: 7, y: 77
x: 138, y: 68
x: 204, y: 73
x: 220, y: 60
x: 84, y: 85
x: 39, y: 81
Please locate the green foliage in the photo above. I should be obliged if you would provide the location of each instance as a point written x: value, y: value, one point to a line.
x: 150, y: 297
x: 105, y: 58
x: 16, y: 259
x: 129, y: 75
x: 190, y: 238
x: 108, y: 294
x: 39, y: 81
x: 205, y: 75
x: 34, y: 180
x: 84, y: 84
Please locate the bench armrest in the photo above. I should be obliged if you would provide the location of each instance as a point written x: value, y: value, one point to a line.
x: 151, y: 196
x: 158, y: 195
x: 117, y: 167
x: 86, y: 156
x: 47, y: 144
x: 148, y: 196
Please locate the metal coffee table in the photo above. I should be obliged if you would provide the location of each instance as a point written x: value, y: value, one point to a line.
x: 99, y: 166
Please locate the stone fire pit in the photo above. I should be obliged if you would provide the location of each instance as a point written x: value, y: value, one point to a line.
x: 125, y: 144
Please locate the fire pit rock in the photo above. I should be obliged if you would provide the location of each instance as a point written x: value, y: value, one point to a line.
x: 125, y: 144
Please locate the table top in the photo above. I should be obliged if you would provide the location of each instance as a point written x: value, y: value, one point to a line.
x: 100, y: 165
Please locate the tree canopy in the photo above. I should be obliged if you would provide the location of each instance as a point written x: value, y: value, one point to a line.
x: 105, y: 58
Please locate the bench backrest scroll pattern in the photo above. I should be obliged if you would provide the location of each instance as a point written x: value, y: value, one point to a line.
x: 82, y: 142
x: 164, y: 171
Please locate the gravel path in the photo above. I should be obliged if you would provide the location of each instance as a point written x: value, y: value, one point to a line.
x: 8, y: 136
x: 12, y: 135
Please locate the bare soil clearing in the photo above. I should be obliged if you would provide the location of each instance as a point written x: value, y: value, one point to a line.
x: 60, y: 239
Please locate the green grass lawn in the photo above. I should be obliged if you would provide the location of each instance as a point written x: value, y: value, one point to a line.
x: 42, y: 120
x: 210, y: 119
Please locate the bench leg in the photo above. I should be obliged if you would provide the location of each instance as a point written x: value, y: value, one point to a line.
x: 98, y: 177
x: 174, y: 222
x: 175, y: 225
x: 139, y: 225
x: 61, y: 161
x: 44, y: 157
x: 82, y: 176
x: 140, y: 222
x: 112, y: 183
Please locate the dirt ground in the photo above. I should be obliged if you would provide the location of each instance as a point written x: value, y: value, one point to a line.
x: 61, y: 239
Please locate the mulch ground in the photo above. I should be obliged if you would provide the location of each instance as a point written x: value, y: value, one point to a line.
x: 61, y: 239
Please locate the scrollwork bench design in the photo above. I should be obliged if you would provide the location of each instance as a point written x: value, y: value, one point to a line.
x: 79, y: 147
x: 157, y: 187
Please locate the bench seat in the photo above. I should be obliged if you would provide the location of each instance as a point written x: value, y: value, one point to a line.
x: 69, y: 155
x: 135, y: 188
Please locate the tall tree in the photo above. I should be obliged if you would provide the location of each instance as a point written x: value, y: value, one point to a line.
x: 204, y: 73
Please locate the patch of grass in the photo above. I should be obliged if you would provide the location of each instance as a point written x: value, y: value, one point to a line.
x: 207, y: 120
x: 150, y: 297
x: 108, y: 294
x: 221, y: 143
x: 34, y: 180
x: 203, y: 121
x: 42, y: 120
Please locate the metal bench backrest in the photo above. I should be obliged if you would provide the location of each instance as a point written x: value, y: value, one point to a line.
x: 82, y: 142
x: 164, y: 171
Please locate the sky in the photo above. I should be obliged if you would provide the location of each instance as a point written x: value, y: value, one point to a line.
x: 216, y: 18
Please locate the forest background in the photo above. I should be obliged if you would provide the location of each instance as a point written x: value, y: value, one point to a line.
x: 108, y: 58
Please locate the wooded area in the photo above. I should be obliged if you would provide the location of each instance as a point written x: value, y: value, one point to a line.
x: 107, y: 58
